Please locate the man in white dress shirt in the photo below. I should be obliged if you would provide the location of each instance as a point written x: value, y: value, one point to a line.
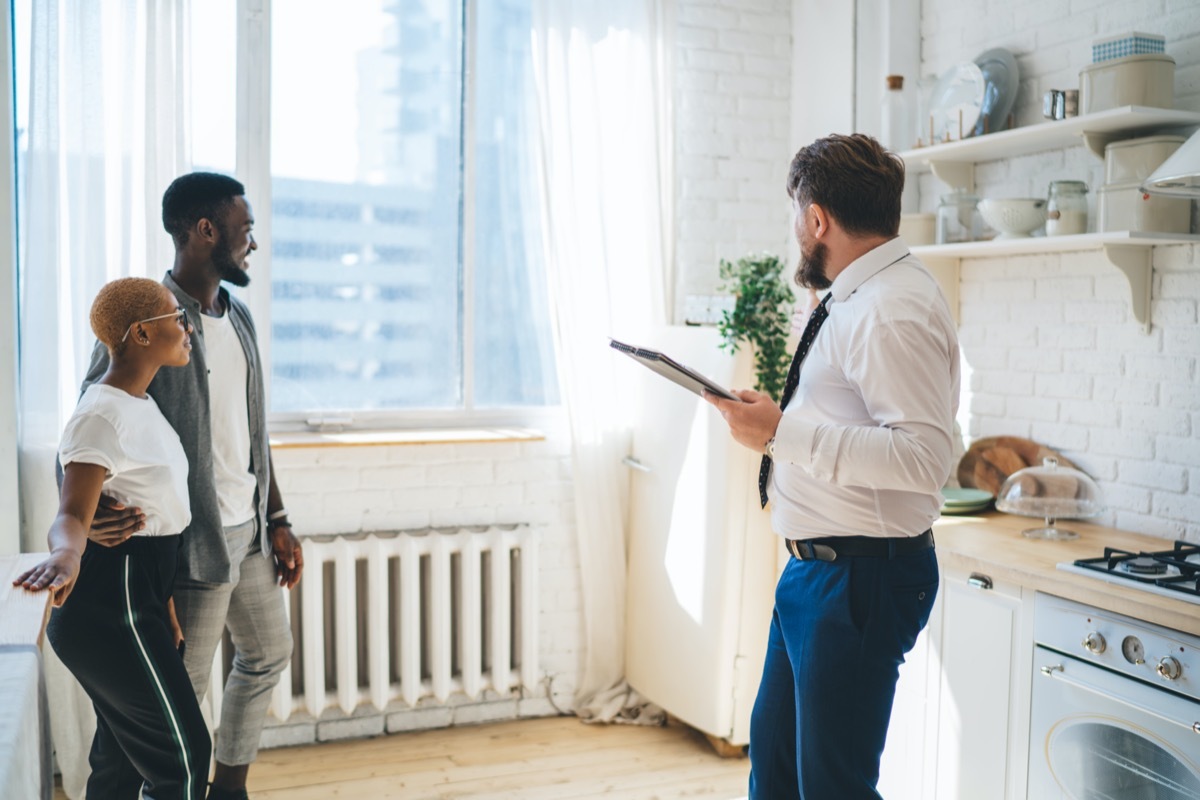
x: 854, y: 463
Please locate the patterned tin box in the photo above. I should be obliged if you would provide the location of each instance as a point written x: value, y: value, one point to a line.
x: 1134, y: 43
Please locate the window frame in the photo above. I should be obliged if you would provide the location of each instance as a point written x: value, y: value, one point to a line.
x: 253, y: 168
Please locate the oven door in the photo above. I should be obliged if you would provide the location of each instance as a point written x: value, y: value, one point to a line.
x: 1098, y: 734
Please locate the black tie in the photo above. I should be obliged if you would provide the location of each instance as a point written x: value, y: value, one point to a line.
x: 793, y: 380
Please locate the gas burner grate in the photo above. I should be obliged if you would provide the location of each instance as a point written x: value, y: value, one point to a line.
x: 1188, y: 584
x: 1177, y: 569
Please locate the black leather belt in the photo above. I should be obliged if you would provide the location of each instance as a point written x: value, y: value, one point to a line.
x: 834, y: 547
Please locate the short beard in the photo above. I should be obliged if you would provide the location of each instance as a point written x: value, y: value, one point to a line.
x: 810, y: 272
x: 228, y: 270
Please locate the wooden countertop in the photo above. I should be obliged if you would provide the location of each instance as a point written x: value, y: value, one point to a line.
x: 23, y: 613
x: 993, y: 545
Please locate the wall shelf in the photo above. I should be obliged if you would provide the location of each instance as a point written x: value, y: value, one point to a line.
x: 954, y: 162
x: 1128, y: 251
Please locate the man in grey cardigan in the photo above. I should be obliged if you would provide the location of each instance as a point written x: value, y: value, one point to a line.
x: 239, y: 547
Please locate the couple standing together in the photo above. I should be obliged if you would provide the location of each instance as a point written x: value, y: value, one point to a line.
x: 171, y: 528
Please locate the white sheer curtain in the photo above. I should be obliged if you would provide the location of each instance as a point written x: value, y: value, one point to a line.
x: 106, y: 135
x: 603, y: 156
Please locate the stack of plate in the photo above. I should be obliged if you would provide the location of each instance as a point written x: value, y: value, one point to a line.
x: 973, y: 98
x: 965, y: 501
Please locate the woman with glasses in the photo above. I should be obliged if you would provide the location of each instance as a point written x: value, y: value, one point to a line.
x: 113, y: 624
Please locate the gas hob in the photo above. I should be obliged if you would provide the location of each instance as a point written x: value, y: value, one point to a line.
x: 1171, y: 573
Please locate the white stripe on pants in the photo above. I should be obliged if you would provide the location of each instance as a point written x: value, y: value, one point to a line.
x: 251, y: 607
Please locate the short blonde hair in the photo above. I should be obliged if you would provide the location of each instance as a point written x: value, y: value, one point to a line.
x: 120, y: 304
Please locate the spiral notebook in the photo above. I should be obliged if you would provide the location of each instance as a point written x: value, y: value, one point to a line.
x: 671, y: 369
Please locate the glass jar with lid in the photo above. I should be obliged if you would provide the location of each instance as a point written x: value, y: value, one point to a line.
x: 958, y: 218
x: 1066, y: 208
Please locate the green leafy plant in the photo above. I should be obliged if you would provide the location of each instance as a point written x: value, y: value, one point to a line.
x: 761, y: 316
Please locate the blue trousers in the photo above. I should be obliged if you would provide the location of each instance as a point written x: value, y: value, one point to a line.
x: 839, y: 633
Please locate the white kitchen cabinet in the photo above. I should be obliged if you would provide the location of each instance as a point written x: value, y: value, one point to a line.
x: 960, y: 724
x: 983, y: 700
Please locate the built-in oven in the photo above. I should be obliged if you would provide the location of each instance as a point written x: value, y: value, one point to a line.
x: 1116, y: 707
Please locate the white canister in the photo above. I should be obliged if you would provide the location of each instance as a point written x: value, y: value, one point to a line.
x: 1125, y: 207
x: 1142, y: 80
x: 918, y: 229
x: 1132, y: 160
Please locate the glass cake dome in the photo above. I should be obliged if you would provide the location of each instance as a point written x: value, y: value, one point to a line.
x: 1050, y: 491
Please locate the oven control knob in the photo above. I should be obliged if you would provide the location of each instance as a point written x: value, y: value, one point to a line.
x: 1169, y: 668
x: 1094, y: 643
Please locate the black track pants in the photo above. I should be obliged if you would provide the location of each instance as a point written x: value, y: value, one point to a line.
x: 114, y: 634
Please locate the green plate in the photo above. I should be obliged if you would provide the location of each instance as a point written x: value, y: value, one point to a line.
x: 953, y: 497
x: 953, y: 510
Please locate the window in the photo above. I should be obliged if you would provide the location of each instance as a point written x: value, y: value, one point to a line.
x: 404, y: 265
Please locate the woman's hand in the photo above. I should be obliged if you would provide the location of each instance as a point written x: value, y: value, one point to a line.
x: 57, y: 573
x: 176, y: 630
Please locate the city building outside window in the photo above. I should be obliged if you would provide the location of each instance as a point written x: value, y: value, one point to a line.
x: 404, y: 254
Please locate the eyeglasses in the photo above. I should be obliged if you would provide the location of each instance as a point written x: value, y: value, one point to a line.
x: 179, y: 313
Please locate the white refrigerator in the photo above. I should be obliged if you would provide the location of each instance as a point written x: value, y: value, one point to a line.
x: 702, y: 558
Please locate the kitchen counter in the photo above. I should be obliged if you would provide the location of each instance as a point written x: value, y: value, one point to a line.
x: 992, y: 544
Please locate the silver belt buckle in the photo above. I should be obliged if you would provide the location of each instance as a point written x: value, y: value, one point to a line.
x: 810, y: 552
x: 823, y: 552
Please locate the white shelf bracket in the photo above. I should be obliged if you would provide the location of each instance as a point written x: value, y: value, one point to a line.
x: 1134, y: 262
x: 1096, y: 142
x: 957, y: 174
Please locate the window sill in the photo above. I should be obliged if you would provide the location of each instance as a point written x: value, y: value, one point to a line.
x: 382, y: 438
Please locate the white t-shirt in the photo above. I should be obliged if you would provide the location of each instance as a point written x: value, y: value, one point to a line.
x: 131, y: 439
x: 230, y: 419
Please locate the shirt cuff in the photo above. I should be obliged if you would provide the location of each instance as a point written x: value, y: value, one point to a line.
x: 795, y: 443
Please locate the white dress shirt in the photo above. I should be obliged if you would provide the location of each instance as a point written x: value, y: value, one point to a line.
x: 865, y: 444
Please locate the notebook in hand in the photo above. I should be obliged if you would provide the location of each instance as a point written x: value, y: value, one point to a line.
x: 671, y: 369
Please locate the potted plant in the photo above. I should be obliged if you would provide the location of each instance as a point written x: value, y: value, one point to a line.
x: 761, y: 316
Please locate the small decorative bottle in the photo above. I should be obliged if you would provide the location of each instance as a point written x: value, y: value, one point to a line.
x: 895, y: 124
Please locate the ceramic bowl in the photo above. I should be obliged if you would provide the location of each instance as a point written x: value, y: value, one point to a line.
x: 1014, y: 217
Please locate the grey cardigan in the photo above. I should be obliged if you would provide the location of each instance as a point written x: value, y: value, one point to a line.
x: 182, y: 395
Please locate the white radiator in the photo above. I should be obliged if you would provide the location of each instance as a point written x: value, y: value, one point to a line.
x: 405, y: 616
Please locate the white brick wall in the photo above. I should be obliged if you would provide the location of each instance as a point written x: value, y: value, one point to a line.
x: 732, y: 116
x: 1054, y: 351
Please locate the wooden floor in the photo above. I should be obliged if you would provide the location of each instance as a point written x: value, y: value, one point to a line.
x: 538, y: 759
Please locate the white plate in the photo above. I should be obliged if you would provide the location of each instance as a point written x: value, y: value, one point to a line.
x: 1001, y: 79
x: 958, y: 94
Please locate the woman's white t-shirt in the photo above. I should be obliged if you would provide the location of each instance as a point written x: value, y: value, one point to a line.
x: 131, y: 439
